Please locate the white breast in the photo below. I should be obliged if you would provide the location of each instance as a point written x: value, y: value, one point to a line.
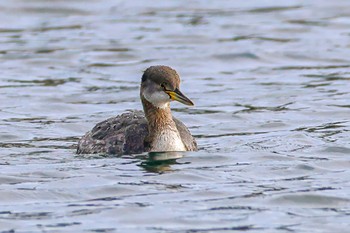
x: 168, y: 140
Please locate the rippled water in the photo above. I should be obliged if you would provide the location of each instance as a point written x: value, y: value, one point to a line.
x: 270, y: 80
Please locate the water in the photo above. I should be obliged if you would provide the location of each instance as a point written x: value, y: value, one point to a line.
x: 270, y: 81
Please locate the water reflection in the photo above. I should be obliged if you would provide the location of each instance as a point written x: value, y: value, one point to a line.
x: 158, y: 162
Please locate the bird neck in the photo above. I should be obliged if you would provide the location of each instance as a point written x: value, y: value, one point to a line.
x: 163, y: 133
x: 159, y: 119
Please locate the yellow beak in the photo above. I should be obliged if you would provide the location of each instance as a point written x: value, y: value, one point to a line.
x: 178, y: 96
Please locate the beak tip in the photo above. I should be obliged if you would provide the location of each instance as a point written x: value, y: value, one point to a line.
x: 178, y: 96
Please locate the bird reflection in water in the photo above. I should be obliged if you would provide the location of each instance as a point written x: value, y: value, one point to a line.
x: 159, y: 162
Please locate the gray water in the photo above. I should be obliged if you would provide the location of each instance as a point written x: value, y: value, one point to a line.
x: 270, y: 80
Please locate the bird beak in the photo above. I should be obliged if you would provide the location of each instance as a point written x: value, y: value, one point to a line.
x: 178, y: 96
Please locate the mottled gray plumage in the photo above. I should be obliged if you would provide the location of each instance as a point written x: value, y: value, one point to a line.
x: 133, y: 132
x: 125, y: 134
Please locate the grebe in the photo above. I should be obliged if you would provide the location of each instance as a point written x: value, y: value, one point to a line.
x: 155, y: 130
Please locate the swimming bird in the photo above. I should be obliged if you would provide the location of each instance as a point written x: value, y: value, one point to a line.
x: 153, y: 130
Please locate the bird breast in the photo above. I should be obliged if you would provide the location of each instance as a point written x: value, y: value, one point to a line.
x: 167, y: 140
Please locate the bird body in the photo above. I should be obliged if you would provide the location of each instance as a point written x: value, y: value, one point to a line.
x: 154, y: 130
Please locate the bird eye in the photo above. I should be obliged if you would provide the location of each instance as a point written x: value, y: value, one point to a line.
x: 163, y: 85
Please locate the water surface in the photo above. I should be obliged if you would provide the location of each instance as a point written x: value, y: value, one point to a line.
x: 271, y: 86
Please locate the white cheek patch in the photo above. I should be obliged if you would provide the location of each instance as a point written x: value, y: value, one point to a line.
x: 158, y: 99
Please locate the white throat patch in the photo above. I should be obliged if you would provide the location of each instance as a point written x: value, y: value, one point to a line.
x: 159, y: 99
